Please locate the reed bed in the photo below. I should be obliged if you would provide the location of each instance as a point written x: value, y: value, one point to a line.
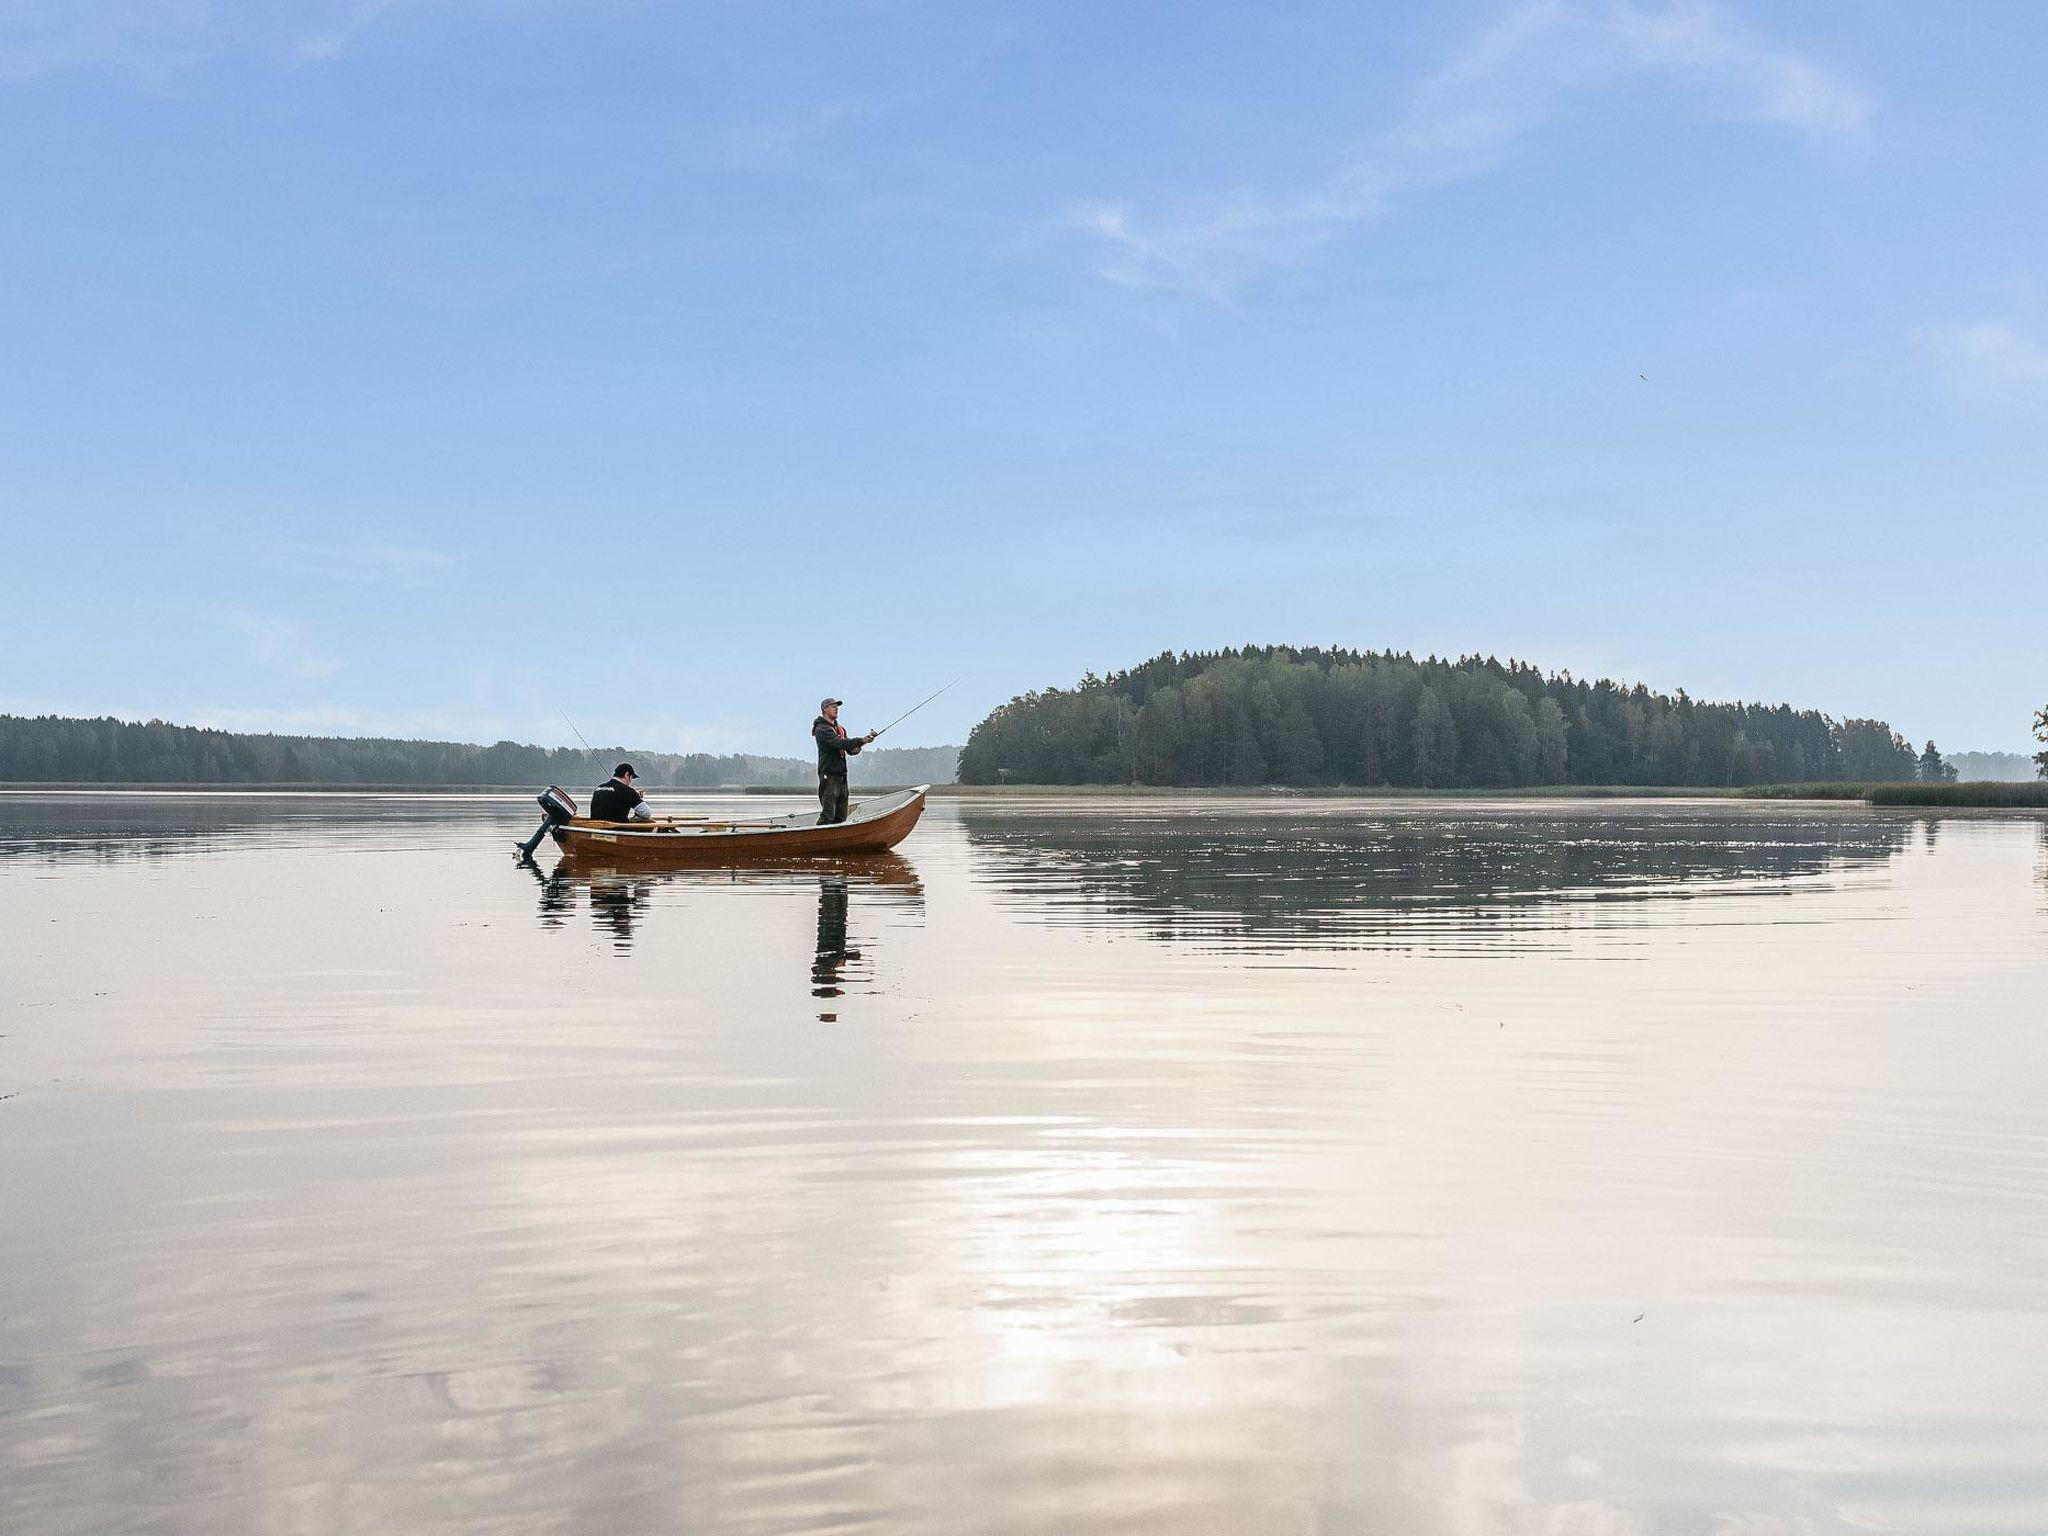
x: 1985, y: 793
x: 1822, y: 791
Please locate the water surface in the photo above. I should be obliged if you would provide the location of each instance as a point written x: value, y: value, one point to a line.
x: 1090, y: 1166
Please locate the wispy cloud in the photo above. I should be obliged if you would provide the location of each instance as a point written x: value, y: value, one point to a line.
x: 335, y: 718
x: 1991, y: 362
x: 330, y: 27
x: 478, y: 722
x: 278, y: 643
x: 777, y: 139
x: 372, y: 561
x: 1513, y: 78
x: 154, y: 40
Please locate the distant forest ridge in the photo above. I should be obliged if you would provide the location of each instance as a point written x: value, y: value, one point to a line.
x: 47, y: 748
x: 1311, y: 716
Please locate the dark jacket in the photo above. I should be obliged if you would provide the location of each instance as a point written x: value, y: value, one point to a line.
x: 613, y: 801
x: 833, y: 746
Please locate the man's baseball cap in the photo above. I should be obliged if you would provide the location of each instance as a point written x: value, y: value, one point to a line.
x: 828, y: 703
x: 624, y: 771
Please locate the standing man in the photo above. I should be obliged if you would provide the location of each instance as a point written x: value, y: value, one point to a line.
x: 833, y: 746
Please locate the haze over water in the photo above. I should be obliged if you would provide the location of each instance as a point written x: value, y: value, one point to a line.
x: 1095, y: 1165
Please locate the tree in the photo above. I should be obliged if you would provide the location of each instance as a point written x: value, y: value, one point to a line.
x: 1436, y: 741
x: 1872, y: 752
x: 2041, y: 734
x: 1934, y: 768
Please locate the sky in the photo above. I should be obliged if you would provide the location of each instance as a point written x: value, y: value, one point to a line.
x: 468, y: 368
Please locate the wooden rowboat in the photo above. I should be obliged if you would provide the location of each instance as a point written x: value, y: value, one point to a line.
x: 871, y: 826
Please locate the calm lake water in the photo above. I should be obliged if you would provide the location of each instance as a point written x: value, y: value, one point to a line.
x: 1123, y: 1166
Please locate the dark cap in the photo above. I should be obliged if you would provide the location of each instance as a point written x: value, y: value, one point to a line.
x: 624, y: 771
x: 827, y: 703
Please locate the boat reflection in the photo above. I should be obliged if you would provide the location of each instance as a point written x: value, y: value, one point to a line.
x: 621, y: 898
x: 1434, y: 876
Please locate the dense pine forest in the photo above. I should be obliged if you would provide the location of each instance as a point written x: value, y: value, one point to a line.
x: 1280, y: 715
x: 50, y: 748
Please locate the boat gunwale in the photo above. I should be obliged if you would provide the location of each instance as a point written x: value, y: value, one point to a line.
x: 667, y: 829
x: 878, y: 830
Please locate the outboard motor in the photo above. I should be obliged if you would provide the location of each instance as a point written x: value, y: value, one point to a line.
x: 556, y: 807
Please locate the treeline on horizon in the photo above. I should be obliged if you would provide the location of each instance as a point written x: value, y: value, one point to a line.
x: 1994, y: 767
x: 53, y: 748
x: 1314, y: 716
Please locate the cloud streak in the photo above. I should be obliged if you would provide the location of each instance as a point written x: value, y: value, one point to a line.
x: 154, y: 40
x: 372, y: 562
x: 279, y: 644
x: 1989, y: 362
x: 1514, y: 77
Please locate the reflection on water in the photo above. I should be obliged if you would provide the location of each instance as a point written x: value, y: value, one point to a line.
x: 620, y: 896
x: 1408, y: 874
x: 121, y: 826
x: 828, y: 963
x: 1206, y: 1167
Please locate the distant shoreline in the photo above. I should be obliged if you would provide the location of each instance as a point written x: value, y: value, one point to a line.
x: 1992, y: 795
x: 937, y: 791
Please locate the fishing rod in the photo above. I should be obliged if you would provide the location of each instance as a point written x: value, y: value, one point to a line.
x: 556, y: 807
x: 920, y: 704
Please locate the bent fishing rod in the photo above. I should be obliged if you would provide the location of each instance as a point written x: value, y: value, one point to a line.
x: 920, y: 704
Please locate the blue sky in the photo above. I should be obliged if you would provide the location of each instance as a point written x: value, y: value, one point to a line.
x: 430, y: 366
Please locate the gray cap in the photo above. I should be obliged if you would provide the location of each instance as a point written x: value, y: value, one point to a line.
x: 824, y: 704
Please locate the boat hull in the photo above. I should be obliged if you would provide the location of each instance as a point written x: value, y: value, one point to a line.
x: 872, y: 826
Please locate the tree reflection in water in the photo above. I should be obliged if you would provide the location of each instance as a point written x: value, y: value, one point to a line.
x: 2041, y: 832
x: 1430, y: 875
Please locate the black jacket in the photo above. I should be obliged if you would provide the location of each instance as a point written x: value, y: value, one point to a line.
x: 614, y: 801
x: 833, y: 746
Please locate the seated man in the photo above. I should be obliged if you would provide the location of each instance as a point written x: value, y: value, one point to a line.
x: 617, y: 800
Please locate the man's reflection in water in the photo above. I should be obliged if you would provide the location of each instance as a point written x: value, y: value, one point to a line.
x: 618, y: 901
x: 832, y: 953
x: 614, y: 904
x: 883, y: 879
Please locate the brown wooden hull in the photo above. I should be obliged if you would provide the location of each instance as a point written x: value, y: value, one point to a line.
x: 740, y: 841
x: 890, y: 872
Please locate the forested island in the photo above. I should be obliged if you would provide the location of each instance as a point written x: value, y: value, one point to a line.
x: 55, y: 748
x: 1262, y: 715
x: 1311, y: 716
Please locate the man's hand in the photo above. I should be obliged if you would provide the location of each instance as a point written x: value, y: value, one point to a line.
x: 871, y: 735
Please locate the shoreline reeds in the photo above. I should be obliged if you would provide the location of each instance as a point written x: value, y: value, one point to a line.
x: 2004, y: 794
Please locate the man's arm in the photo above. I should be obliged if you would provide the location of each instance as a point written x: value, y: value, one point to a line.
x: 827, y: 735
